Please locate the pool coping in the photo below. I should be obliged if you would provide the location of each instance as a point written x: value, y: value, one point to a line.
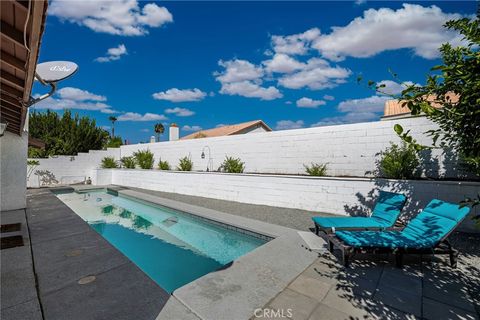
x: 66, y: 250
x: 249, y: 283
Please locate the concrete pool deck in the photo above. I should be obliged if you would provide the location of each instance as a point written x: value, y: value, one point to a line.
x: 312, y: 284
x: 50, y: 277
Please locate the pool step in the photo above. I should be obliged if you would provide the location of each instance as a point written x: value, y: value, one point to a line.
x: 170, y: 221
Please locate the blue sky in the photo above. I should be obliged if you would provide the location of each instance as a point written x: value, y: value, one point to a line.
x: 203, y: 64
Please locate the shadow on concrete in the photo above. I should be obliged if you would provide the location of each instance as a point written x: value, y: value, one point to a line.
x: 427, y: 287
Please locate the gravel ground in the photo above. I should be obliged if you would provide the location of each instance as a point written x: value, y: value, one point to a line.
x: 292, y: 218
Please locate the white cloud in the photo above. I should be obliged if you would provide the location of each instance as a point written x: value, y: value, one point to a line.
x: 178, y: 95
x: 191, y: 128
x: 295, y: 44
x: 180, y: 112
x: 289, y: 124
x: 317, y: 74
x: 133, y: 116
x: 76, y: 94
x: 392, y: 87
x: 75, y: 98
x: 61, y: 104
x: 113, y: 54
x: 413, y: 26
x: 154, y: 16
x: 238, y: 70
x: 309, y: 103
x: 328, y: 97
x: 370, y: 104
x: 288, y: 102
x: 356, y: 110
x: 108, y: 111
x: 251, y: 90
x: 243, y: 78
x: 120, y: 17
x: 351, y: 117
x: 282, y: 63
x: 145, y: 130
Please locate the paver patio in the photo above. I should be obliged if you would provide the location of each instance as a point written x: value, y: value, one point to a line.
x: 375, y: 289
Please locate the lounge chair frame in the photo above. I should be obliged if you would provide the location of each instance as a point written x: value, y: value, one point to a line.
x: 442, y: 247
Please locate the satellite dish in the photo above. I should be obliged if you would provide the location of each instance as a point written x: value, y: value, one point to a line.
x: 49, y: 73
x: 55, y: 71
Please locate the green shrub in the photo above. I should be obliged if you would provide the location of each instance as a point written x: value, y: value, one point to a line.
x: 144, y: 159
x: 316, y: 169
x: 398, y: 162
x: 128, y: 162
x: 109, y: 163
x: 163, y: 165
x: 232, y: 165
x: 185, y: 164
x: 33, y: 163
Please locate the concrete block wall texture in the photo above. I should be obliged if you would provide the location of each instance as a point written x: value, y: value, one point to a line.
x: 68, y: 169
x: 349, y: 150
x: 341, y: 196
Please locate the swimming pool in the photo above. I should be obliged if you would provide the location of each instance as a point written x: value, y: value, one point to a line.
x: 172, y: 247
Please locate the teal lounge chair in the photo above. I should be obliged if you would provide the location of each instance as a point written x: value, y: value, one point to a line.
x: 386, y: 212
x: 426, y: 233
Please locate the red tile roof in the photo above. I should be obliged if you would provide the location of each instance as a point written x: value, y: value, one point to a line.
x: 395, y: 107
x: 227, y: 130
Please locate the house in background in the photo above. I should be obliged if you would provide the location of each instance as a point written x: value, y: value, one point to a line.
x: 229, y: 130
x: 394, y: 109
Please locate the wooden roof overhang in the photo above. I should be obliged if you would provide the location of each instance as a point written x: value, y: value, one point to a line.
x: 22, y: 26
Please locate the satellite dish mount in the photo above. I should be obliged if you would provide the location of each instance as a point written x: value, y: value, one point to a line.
x: 49, y: 74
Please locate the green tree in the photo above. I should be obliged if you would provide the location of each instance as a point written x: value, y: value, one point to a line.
x: 112, y: 120
x: 455, y: 85
x: 114, y: 142
x: 66, y: 134
x: 159, y: 130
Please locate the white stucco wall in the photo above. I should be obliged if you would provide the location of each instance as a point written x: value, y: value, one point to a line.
x: 342, y: 196
x: 13, y: 161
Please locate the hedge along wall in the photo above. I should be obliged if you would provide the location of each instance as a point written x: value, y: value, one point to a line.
x: 349, y: 150
x: 342, y: 196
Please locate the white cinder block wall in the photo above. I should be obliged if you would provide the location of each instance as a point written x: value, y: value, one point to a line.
x: 342, y: 196
x: 69, y: 169
x: 349, y: 150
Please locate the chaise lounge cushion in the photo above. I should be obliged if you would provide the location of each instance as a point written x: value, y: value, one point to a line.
x: 426, y: 230
x: 386, y: 212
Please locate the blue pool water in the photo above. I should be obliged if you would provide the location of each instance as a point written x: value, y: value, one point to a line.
x: 172, y: 247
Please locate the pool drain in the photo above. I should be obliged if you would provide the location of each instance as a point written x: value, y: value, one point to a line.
x: 87, y: 280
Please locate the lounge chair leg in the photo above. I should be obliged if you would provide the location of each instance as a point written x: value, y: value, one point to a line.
x: 453, y: 258
x: 398, y: 259
x: 347, y: 254
x: 346, y: 258
x: 330, y: 246
x: 317, y: 231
